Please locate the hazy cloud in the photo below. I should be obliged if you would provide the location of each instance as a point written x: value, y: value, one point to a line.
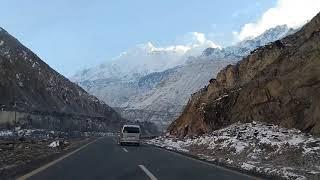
x: 293, y: 13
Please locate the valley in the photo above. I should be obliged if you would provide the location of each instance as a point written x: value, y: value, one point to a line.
x: 159, y: 96
x: 161, y: 90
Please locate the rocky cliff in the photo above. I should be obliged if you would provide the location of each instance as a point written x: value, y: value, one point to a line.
x: 278, y: 83
x: 42, y: 97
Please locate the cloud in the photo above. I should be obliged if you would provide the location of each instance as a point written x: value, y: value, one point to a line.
x: 190, y: 44
x: 200, y: 38
x: 198, y: 43
x: 158, y: 58
x: 293, y: 13
x: 196, y: 39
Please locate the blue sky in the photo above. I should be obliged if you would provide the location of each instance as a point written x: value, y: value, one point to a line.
x: 70, y: 35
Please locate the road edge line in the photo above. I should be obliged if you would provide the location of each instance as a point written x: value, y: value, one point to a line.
x: 207, y: 163
x: 148, y: 173
x: 36, y: 171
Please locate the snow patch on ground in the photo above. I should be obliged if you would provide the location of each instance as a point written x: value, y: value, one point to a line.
x: 18, y: 132
x: 54, y: 144
x: 259, y: 147
x: 247, y: 166
x: 6, y: 133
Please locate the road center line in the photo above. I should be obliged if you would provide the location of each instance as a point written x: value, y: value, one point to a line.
x: 149, y: 174
x: 125, y: 150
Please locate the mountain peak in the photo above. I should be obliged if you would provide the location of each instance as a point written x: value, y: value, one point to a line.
x: 146, y: 47
x: 269, y: 35
x: 246, y: 46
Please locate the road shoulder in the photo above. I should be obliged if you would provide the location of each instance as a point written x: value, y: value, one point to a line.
x: 238, y: 171
x: 44, y: 162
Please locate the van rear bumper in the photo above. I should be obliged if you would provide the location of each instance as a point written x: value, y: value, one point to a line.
x: 129, y: 140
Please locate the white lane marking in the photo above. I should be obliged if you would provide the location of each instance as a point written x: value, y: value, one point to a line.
x: 125, y: 150
x: 209, y: 164
x: 149, y: 174
x: 26, y: 176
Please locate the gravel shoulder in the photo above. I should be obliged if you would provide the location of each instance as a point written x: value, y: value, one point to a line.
x: 20, y: 155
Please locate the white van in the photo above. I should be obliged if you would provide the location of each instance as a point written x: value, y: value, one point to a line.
x: 130, y: 134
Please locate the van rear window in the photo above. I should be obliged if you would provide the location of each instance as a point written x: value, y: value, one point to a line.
x: 131, y: 130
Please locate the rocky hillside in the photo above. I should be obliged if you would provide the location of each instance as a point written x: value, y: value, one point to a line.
x: 269, y: 150
x: 42, y: 97
x: 278, y: 84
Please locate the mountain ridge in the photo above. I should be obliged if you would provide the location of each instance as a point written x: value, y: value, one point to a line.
x: 170, y: 89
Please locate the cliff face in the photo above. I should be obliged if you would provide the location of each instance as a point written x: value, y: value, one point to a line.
x: 278, y: 83
x: 44, y: 97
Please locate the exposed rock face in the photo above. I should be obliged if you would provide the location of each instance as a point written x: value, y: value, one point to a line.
x: 32, y: 88
x: 278, y: 83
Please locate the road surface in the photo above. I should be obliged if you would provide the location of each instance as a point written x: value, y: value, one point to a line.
x: 104, y: 159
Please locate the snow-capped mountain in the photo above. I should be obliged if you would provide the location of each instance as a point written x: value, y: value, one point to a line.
x: 159, y: 92
x: 135, y: 63
x: 144, y: 59
x: 170, y: 90
x: 243, y: 48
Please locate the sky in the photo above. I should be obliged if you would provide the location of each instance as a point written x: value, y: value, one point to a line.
x: 76, y: 34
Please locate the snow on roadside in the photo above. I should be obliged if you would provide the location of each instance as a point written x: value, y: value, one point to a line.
x: 54, y: 144
x: 36, y: 133
x: 258, y: 147
x: 6, y: 133
x: 247, y: 166
x: 171, y: 144
x: 48, y: 134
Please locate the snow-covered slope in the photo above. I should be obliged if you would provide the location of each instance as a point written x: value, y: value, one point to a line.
x: 255, y: 147
x: 135, y: 63
x: 159, y: 92
x: 144, y: 59
x: 165, y: 101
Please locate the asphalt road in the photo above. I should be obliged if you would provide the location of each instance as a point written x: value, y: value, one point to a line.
x: 105, y: 159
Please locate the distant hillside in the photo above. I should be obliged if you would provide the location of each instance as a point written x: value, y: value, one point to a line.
x: 278, y: 84
x: 42, y: 97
